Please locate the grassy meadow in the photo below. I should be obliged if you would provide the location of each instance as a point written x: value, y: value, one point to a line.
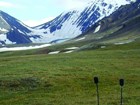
x: 30, y: 78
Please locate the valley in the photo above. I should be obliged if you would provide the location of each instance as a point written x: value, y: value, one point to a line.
x: 30, y: 78
x: 55, y: 63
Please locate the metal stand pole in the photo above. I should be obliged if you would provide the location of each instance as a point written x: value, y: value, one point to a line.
x: 121, y: 84
x: 97, y: 94
x: 96, y: 82
x: 121, y: 96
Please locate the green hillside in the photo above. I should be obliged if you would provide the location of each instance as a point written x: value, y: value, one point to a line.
x: 31, y: 78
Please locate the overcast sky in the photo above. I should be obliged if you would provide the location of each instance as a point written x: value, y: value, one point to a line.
x: 34, y: 12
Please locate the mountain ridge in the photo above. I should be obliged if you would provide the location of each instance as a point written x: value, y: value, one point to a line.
x: 71, y: 24
x: 66, y: 26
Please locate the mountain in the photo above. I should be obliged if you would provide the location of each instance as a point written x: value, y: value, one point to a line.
x: 75, y: 22
x: 66, y: 26
x: 12, y: 30
x: 121, y: 27
x: 125, y: 19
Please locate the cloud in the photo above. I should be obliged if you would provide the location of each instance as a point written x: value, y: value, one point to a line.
x: 33, y: 23
x: 70, y: 4
x: 10, y: 5
x: 6, y: 4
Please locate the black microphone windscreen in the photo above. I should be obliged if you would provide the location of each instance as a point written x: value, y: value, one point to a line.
x: 96, y: 80
x: 121, y: 82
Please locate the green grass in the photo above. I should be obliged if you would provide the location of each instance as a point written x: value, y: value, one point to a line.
x: 27, y: 78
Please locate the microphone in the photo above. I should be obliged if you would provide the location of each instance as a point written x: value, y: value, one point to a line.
x: 121, y: 82
x: 96, y: 80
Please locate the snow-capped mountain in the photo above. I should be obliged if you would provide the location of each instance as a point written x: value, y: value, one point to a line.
x: 75, y: 22
x: 121, y: 23
x: 66, y: 26
x: 13, y: 31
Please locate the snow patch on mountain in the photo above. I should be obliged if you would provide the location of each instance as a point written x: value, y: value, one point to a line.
x: 72, y: 48
x: 69, y: 51
x: 5, y: 40
x: 4, y: 49
x: 124, y: 42
x: 97, y: 29
x: 3, y: 30
x: 81, y: 39
x: 20, y: 31
x: 54, y: 52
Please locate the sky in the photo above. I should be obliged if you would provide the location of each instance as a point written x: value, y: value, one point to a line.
x: 36, y: 12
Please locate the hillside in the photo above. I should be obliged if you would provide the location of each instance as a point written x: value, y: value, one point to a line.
x: 27, y: 78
